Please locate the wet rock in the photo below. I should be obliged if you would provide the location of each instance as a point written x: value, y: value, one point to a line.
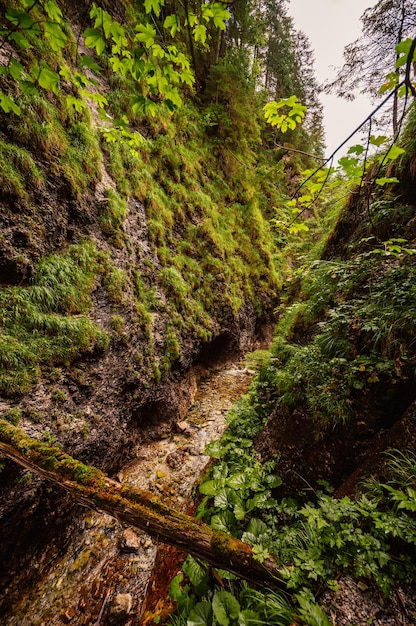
x: 130, y: 542
x: 174, y: 460
x: 68, y: 615
x: 120, y: 607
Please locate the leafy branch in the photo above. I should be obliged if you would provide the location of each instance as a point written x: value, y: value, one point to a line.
x: 139, y: 53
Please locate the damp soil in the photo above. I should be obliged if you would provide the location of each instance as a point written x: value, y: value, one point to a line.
x: 104, y: 575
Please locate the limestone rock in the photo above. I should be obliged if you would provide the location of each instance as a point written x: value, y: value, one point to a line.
x: 129, y: 541
x: 120, y: 607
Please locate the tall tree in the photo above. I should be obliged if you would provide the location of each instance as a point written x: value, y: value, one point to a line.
x: 308, y: 91
x: 373, y: 55
x: 288, y: 70
x: 280, y: 78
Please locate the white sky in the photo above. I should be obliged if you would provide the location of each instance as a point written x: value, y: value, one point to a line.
x: 329, y: 26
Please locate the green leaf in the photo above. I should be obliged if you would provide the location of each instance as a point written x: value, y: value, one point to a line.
x: 260, y: 553
x: 65, y: 72
x: 225, y: 498
x: 94, y: 39
x: 385, y: 180
x: 273, y: 481
x: 151, y: 108
x: 403, y: 49
x: 146, y: 34
x: 118, y: 35
x: 225, y: 606
x: 404, y: 46
x: 194, y: 571
x: 87, y: 61
x: 239, y: 510
x: 22, y: 19
x: 284, y: 121
x: 153, y: 5
x: 8, y: 105
x: 75, y: 103
x: 211, y: 487
x: 299, y: 227
x: 200, y: 33
x: 192, y: 18
x: 392, y: 154
x: 120, y: 65
x: 95, y: 96
x: 49, y: 79
x: 175, y: 589
x: 53, y: 10
x: 311, y: 611
x: 258, y: 500
x: 378, y: 141
x: 224, y: 575
x: 358, y: 149
x: 215, y: 11
x: 249, y: 618
x: 201, y: 615
x: 223, y: 521
x: 257, y: 527
x: 20, y: 40
x: 215, y: 449
x: 16, y: 69
x: 56, y: 36
x: 187, y: 77
x: 137, y: 104
x: 172, y: 23
x: 237, y: 481
x: 121, y: 122
x: 157, y: 51
x: 28, y: 88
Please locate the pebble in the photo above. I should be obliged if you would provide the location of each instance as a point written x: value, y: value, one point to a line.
x: 130, y: 542
x: 120, y: 607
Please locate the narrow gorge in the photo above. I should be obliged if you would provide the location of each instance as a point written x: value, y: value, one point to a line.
x: 197, y: 304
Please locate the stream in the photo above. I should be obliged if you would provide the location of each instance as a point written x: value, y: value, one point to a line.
x: 103, y: 576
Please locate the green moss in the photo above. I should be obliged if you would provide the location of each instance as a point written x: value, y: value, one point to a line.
x: 115, y: 281
x: 172, y: 346
x: 208, y: 235
x: 13, y: 416
x: 45, y: 323
x: 68, y: 149
x: 59, y: 396
x: 18, y: 172
x: 117, y: 324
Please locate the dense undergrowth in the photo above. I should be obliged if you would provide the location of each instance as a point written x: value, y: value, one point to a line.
x: 314, y: 537
x: 343, y: 350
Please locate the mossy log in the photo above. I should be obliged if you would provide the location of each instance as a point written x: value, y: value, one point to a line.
x: 141, y: 509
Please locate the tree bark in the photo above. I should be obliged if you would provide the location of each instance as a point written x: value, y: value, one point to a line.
x: 93, y: 489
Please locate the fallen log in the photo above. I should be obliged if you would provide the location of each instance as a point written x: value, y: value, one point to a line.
x: 141, y: 509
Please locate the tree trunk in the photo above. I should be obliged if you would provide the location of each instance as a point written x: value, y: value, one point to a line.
x: 93, y: 489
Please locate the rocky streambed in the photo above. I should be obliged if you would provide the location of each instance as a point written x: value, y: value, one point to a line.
x: 103, y: 575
